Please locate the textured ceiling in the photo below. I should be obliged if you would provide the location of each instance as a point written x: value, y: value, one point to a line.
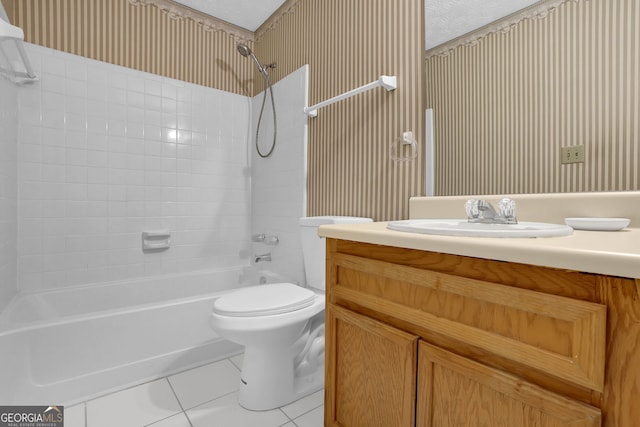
x: 249, y: 14
x: 445, y: 19
x: 448, y: 19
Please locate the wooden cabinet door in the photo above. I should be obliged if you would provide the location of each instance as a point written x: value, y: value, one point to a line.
x: 370, y: 377
x: 455, y: 391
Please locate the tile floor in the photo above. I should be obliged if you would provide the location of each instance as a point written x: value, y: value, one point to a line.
x: 200, y: 397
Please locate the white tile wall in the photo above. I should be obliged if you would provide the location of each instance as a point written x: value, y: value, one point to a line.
x: 8, y: 189
x: 107, y: 152
x: 279, y: 181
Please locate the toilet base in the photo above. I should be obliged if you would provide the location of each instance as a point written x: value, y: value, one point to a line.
x: 268, y: 380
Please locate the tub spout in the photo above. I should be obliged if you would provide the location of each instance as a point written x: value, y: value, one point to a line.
x: 263, y: 257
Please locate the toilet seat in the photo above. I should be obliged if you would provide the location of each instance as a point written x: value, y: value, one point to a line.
x: 264, y: 300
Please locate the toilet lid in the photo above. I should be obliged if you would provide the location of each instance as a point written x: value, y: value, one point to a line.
x: 264, y: 300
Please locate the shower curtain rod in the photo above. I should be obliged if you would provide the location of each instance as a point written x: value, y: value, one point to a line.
x: 387, y: 82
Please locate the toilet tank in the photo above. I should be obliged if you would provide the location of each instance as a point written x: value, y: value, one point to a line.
x: 314, y: 249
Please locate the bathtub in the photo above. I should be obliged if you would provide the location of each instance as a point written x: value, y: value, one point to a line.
x: 65, y: 346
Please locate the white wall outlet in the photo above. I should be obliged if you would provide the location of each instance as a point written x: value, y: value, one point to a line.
x: 572, y: 154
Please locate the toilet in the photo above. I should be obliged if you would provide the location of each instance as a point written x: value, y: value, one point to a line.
x: 281, y: 326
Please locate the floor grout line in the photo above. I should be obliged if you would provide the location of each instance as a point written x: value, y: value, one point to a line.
x: 210, y: 400
x: 179, y: 403
x: 184, y: 410
x: 285, y: 414
x: 305, y: 413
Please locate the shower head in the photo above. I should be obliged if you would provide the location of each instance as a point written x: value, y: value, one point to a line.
x: 244, y: 50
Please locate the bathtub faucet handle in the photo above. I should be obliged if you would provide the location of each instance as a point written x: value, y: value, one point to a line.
x: 258, y: 237
x: 267, y: 240
x: 271, y: 240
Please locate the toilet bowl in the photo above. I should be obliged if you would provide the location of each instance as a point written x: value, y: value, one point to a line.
x: 281, y: 326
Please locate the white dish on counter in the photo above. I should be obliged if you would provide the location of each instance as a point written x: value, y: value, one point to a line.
x: 597, y: 224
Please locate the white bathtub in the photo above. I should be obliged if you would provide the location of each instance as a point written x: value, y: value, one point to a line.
x: 64, y: 346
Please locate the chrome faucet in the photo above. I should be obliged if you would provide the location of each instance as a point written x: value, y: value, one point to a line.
x: 267, y: 240
x: 263, y: 257
x: 482, y: 211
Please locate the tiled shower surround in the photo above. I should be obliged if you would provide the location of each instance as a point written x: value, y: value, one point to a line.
x: 107, y: 152
x: 278, y: 186
x: 8, y: 189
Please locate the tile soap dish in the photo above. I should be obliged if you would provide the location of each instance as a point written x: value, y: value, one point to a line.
x: 597, y: 224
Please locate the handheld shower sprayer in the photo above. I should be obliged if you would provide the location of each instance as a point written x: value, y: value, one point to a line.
x: 244, y: 50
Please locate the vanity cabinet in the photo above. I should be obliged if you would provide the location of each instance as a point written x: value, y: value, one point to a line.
x: 456, y: 391
x: 375, y: 381
x: 418, y: 338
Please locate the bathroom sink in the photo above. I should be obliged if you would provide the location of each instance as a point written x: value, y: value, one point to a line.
x: 461, y: 227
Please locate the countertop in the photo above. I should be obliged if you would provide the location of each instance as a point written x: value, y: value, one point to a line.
x: 611, y: 253
x: 615, y: 253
